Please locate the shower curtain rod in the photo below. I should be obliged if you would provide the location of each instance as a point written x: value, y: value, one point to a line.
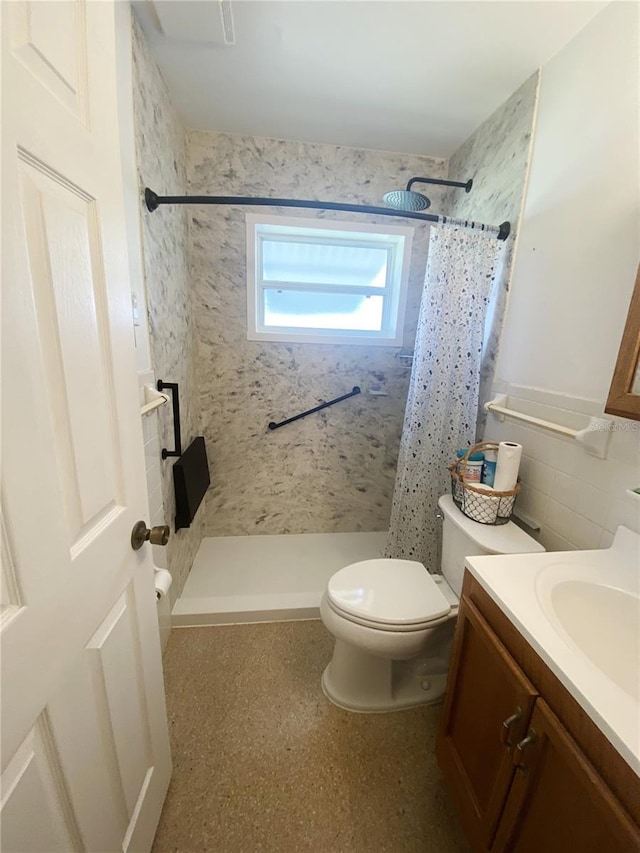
x: 153, y: 201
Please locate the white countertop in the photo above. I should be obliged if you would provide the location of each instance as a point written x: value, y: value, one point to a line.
x: 522, y: 586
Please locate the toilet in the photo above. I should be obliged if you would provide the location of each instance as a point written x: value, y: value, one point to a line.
x: 393, y: 622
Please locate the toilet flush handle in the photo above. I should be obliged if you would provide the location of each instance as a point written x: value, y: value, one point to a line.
x: 438, y: 515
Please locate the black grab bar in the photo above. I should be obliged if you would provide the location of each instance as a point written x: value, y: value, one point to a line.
x: 352, y: 393
x: 173, y: 387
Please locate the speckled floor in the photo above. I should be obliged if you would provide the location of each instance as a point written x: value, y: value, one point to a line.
x: 263, y: 762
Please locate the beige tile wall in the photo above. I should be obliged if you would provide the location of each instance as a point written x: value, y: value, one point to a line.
x: 161, y: 162
x: 333, y: 471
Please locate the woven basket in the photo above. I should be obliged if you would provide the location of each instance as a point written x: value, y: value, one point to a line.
x: 476, y: 504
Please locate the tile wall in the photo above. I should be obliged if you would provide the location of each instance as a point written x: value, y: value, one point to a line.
x: 577, y: 499
x: 333, y: 471
x: 161, y: 159
x: 497, y: 156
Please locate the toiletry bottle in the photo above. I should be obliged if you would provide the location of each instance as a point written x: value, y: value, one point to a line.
x: 472, y: 472
x: 489, y: 467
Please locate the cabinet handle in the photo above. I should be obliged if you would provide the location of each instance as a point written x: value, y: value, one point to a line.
x: 518, y: 755
x: 505, y: 729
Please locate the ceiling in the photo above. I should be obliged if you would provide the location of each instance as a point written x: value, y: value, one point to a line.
x: 416, y: 77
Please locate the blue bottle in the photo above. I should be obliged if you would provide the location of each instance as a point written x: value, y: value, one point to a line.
x: 489, y: 467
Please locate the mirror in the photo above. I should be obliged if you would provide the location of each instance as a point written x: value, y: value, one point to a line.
x: 624, y: 394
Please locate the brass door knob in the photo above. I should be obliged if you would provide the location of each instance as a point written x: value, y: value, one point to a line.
x: 141, y: 533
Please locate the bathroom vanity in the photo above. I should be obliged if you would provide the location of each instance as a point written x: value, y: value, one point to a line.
x: 538, y: 745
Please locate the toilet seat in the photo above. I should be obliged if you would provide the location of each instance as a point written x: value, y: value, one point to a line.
x: 386, y: 627
x: 386, y: 594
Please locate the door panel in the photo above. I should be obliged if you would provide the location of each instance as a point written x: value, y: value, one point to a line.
x: 79, y: 716
x: 63, y: 239
x: 10, y: 598
x: 50, y: 40
x: 36, y: 810
x: 115, y: 657
x: 84, y: 731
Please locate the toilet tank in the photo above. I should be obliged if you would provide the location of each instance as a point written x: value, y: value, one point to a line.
x: 462, y: 537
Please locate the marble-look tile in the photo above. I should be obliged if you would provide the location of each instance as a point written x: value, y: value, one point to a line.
x: 497, y: 157
x: 335, y: 470
x: 161, y: 158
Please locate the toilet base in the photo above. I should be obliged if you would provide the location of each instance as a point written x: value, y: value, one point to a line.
x: 366, y: 684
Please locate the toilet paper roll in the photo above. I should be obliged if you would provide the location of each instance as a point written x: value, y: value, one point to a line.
x: 163, y: 582
x: 508, y: 465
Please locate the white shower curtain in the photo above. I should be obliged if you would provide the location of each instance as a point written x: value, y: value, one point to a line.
x: 442, y: 403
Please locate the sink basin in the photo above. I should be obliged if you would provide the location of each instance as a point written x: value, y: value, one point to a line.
x: 580, y: 611
x: 604, y: 623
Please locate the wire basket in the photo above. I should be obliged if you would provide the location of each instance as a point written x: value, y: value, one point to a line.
x: 477, y: 504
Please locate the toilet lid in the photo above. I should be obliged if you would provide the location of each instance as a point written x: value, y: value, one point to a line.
x: 392, y: 592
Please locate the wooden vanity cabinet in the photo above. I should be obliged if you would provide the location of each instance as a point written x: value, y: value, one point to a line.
x: 557, y: 801
x: 518, y: 778
x: 487, y: 707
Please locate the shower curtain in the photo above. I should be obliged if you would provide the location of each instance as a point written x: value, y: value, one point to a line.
x: 440, y: 417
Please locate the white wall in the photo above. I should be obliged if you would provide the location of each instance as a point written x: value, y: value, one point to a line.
x: 578, y: 246
x: 572, y: 283
x: 577, y: 499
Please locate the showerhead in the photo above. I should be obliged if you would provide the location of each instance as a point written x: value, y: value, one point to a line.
x: 412, y: 201
x: 406, y: 200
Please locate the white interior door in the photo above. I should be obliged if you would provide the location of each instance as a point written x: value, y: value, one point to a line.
x: 85, y: 751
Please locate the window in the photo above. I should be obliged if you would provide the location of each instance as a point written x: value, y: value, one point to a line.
x: 333, y: 282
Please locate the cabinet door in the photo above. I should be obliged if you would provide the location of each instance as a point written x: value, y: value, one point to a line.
x: 487, y: 708
x: 557, y: 801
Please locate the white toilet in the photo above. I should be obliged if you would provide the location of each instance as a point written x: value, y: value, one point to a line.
x: 393, y: 622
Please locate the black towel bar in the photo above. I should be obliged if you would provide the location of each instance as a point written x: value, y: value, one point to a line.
x: 352, y: 393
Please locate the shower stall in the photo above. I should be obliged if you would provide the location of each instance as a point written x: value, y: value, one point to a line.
x: 267, y: 578
x: 287, y: 507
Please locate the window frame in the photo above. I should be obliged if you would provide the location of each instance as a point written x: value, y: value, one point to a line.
x: 394, y: 292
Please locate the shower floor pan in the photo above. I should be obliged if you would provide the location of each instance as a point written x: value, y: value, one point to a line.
x: 267, y: 578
